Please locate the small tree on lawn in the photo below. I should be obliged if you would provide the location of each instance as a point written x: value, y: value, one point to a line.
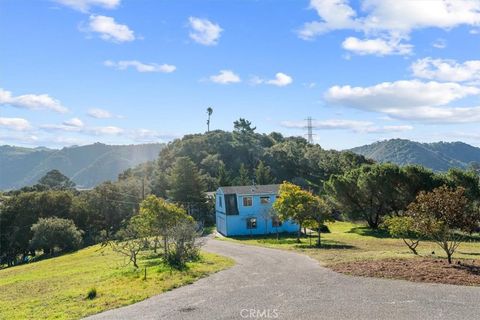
x: 184, y: 245
x: 444, y: 215
x: 158, y: 217
x: 293, y: 203
x: 130, y: 240
x: 319, y: 212
x: 403, y: 227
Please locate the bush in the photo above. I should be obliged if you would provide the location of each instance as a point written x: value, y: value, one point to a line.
x: 183, y: 243
x: 51, y: 233
x: 92, y: 294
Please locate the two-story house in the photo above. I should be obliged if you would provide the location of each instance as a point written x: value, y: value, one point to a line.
x: 247, y: 210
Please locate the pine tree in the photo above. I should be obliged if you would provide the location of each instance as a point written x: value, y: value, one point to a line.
x: 223, y: 176
x: 243, y: 178
x: 187, y: 187
x: 263, y: 174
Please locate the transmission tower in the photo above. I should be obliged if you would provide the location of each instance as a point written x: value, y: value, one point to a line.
x: 309, y: 130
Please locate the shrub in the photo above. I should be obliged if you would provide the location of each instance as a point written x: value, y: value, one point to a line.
x: 92, y: 293
x: 183, y: 243
x: 51, y: 233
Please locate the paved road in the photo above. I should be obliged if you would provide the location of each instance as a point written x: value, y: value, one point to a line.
x: 274, y: 284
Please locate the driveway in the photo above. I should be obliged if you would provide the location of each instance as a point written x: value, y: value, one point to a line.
x: 274, y: 284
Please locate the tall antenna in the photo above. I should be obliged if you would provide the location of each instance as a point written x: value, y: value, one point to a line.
x: 309, y: 130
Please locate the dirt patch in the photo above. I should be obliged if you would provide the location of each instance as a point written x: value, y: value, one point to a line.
x: 416, y: 269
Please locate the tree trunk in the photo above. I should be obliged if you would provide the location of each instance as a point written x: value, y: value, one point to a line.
x: 298, y: 233
x: 165, y: 247
x: 319, y: 238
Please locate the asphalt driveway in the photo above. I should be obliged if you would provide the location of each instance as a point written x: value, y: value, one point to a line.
x: 274, y: 284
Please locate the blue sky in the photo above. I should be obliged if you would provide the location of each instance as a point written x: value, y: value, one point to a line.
x: 128, y: 71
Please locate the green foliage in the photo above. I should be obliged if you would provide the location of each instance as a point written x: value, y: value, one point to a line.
x: 51, y: 233
x: 263, y: 174
x: 443, y: 215
x: 294, y: 203
x: 183, y: 244
x: 369, y: 192
x: 54, y: 179
x: 188, y: 188
x: 243, y: 178
x: 403, y: 227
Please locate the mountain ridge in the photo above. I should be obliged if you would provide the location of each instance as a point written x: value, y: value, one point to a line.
x: 86, y: 165
x: 438, y: 156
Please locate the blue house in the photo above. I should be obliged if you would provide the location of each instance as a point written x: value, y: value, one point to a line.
x: 246, y: 210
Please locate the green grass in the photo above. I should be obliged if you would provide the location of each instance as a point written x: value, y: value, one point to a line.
x: 349, y: 241
x: 57, y: 288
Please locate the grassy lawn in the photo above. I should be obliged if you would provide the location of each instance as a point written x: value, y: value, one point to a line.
x: 348, y: 242
x: 56, y: 288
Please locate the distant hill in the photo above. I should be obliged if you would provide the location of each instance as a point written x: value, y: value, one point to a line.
x: 86, y: 165
x: 439, y: 156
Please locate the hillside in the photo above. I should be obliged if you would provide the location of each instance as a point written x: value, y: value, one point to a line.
x: 86, y: 165
x: 439, y: 156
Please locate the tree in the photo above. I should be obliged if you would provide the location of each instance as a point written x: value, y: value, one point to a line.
x: 243, y: 178
x: 51, y: 233
x: 443, y: 215
x: 184, y: 246
x: 293, y: 203
x: 130, y: 240
x: 403, y: 227
x: 157, y: 217
x: 187, y: 188
x: 223, y: 176
x: 54, y: 179
x: 319, y: 212
x: 262, y: 174
x: 209, y: 113
x: 369, y: 192
x: 246, y: 142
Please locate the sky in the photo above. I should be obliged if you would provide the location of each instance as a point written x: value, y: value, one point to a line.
x: 74, y: 72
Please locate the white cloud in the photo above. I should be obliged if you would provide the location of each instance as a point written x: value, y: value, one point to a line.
x: 140, y: 66
x: 109, y: 29
x: 225, y: 77
x: 440, y: 43
x: 31, y: 101
x: 74, y: 122
x: 85, y: 5
x: 204, y: 31
x: 352, y: 125
x: 377, y: 46
x: 446, y: 70
x: 281, y: 80
x: 108, y: 130
x: 100, y: 113
x: 409, y: 100
x: 390, y: 19
x: 17, y: 124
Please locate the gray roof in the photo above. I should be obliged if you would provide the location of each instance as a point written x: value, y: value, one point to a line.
x: 253, y: 189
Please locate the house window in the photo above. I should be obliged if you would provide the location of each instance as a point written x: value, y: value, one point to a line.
x: 220, y: 202
x: 276, y: 222
x: 247, y: 201
x: 264, y: 200
x: 252, y: 223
